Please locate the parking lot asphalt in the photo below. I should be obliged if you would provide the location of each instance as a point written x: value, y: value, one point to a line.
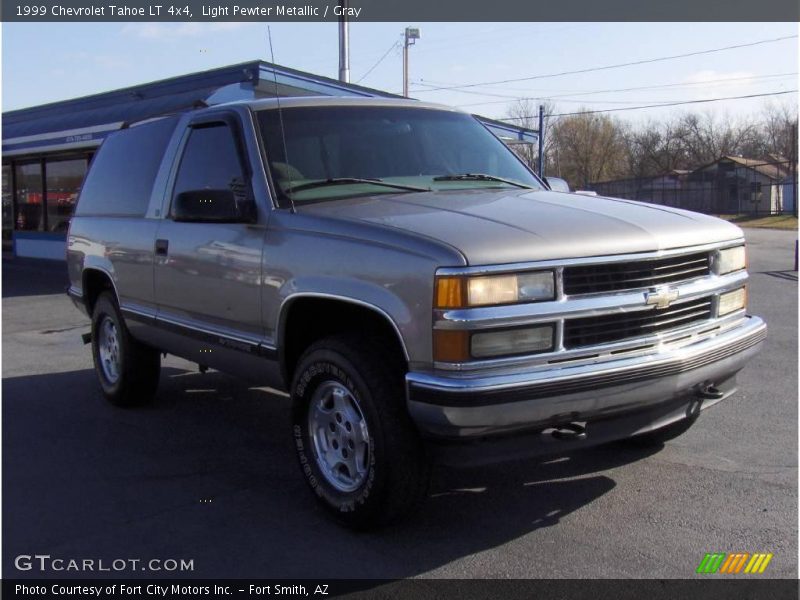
x: 208, y: 473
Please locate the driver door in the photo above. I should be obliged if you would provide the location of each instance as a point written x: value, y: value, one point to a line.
x: 207, y: 274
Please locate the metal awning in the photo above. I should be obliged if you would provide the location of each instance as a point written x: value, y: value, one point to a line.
x: 83, y: 123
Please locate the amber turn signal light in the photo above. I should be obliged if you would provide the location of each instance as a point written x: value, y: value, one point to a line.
x: 450, y: 345
x: 450, y: 292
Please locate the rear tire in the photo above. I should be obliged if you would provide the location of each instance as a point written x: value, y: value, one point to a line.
x: 128, y: 371
x: 358, y: 448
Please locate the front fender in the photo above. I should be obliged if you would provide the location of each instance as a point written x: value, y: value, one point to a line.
x: 360, y: 293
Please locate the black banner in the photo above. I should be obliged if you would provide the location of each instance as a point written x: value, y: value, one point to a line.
x: 751, y: 588
x: 405, y: 10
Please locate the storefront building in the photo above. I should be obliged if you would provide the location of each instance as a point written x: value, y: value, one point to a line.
x: 47, y: 149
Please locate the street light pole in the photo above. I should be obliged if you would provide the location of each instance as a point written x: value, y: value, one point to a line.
x: 541, y: 140
x: 405, y: 66
x: 409, y: 36
x: 344, y: 45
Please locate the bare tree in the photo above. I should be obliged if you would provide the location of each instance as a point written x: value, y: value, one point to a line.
x: 653, y: 148
x: 777, y: 121
x: 590, y: 148
x: 706, y: 137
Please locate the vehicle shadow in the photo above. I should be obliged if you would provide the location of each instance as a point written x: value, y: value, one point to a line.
x: 787, y: 275
x: 33, y: 277
x: 207, y: 473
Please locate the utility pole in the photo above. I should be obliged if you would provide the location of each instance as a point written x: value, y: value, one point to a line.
x: 410, y: 35
x: 344, y: 45
x: 541, y: 140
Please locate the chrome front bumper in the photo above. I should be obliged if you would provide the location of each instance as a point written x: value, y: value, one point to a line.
x: 462, y: 407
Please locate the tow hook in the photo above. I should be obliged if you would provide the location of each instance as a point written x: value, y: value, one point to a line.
x: 710, y: 393
x: 570, y: 431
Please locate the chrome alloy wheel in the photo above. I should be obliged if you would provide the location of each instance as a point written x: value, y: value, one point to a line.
x: 108, y: 349
x: 339, y: 436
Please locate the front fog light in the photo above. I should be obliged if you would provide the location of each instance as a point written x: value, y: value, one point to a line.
x: 732, y: 301
x: 527, y: 340
x: 731, y: 259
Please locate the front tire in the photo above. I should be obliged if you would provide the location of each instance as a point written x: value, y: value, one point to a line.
x: 357, y: 447
x: 128, y: 371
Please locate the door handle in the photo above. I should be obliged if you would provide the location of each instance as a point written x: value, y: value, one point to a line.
x: 162, y: 247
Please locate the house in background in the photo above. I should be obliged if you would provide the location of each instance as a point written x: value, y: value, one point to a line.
x: 736, y: 185
x: 664, y: 189
x: 729, y: 185
x: 789, y: 195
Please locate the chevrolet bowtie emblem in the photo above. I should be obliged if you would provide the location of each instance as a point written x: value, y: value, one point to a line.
x: 661, y: 297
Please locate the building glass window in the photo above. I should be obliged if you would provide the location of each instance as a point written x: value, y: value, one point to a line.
x: 29, y: 197
x: 8, y: 204
x: 64, y: 179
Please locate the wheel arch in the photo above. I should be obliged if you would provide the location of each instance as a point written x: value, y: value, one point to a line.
x: 327, y: 314
x: 95, y: 281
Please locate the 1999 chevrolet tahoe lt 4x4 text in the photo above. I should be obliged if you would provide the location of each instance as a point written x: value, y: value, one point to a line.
x: 420, y: 293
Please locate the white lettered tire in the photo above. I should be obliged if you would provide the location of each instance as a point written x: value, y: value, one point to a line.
x: 357, y: 447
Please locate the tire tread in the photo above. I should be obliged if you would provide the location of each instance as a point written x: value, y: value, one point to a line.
x: 383, y: 374
x: 141, y: 367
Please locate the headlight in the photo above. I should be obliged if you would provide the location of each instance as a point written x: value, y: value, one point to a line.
x: 491, y: 290
x: 732, y: 301
x: 731, y: 259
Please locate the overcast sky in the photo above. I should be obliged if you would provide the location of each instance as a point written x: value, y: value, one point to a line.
x: 54, y: 61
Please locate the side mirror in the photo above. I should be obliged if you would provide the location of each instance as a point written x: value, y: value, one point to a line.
x: 557, y: 184
x: 211, y: 206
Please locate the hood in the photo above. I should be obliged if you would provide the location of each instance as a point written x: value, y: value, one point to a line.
x: 507, y: 226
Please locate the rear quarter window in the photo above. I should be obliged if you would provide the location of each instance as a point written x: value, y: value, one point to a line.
x: 121, y: 176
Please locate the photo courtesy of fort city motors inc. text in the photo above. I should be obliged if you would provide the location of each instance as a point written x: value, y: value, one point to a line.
x: 392, y: 300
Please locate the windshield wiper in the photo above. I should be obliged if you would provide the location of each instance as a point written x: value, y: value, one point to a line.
x: 345, y: 180
x: 480, y: 177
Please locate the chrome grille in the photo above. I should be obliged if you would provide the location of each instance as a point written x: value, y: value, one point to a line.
x: 612, y: 277
x: 605, y: 329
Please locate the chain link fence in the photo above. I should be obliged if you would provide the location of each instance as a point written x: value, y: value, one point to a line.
x: 731, y: 185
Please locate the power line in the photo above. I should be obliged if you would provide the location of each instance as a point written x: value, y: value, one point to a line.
x: 589, y: 112
x: 661, y: 85
x: 461, y: 39
x: 582, y: 101
x: 474, y: 93
x: 630, y: 89
x: 380, y: 60
x: 607, y: 67
x: 437, y: 46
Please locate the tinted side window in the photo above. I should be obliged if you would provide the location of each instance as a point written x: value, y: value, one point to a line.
x: 211, y: 162
x: 120, y: 179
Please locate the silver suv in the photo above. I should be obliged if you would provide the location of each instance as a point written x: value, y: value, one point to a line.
x: 421, y: 294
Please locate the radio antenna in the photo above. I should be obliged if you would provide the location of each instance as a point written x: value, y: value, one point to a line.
x: 280, y: 118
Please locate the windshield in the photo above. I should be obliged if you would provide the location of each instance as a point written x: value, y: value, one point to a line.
x: 343, y: 151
